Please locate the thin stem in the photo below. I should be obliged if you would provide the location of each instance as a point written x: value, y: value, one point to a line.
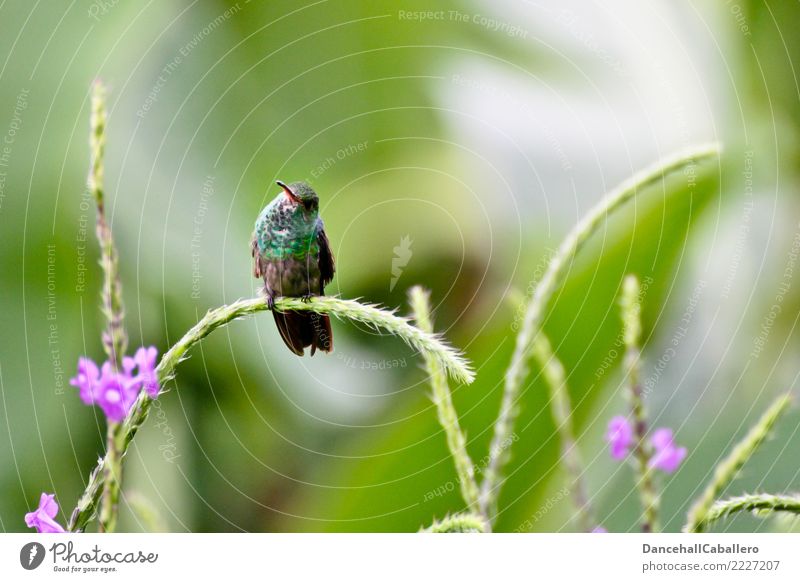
x: 446, y: 412
x: 561, y: 408
x: 553, y: 278
x: 763, y: 503
x: 727, y: 470
x: 426, y: 343
x: 112, y: 473
x: 460, y: 523
x: 642, y: 451
x: 115, y: 340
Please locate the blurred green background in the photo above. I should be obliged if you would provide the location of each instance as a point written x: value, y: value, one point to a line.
x: 480, y: 133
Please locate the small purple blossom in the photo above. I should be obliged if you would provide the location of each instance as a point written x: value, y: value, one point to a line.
x: 599, y: 529
x: 43, y: 518
x: 619, y: 436
x: 117, y: 394
x: 115, y: 391
x: 145, y: 359
x: 87, y: 380
x: 667, y: 456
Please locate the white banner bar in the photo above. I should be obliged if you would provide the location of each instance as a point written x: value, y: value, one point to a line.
x: 407, y: 557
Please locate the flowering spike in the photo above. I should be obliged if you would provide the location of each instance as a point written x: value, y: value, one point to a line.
x: 420, y: 302
x: 642, y: 450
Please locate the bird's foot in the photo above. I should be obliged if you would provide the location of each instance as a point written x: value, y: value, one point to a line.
x: 306, y: 298
x: 270, y: 302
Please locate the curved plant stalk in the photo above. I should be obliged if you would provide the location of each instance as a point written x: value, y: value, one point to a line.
x: 642, y: 452
x: 459, y: 523
x: 115, y: 340
x: 446, y: 412
x: 426, y: 343
x: 764, y: 504
x: 552, y: 280
x: 728, y: 468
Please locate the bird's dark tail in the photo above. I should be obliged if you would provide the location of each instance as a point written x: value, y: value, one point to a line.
x: 300, y: 329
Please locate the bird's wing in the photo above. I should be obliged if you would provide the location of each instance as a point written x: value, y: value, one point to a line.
x: 259, y: 266
x: 327, y: 265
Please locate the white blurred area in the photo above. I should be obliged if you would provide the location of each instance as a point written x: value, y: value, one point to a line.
x: 622, y: 85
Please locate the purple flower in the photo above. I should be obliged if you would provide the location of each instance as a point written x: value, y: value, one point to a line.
x: 145, y: 359
x: 115, y: 391
x: 599, y: 529
x: 667, y: 456
x: 43, y: 518
x: 619, y: 436
x: 87, y: 380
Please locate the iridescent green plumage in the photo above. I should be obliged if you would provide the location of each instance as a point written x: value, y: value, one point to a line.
x: 283, y: 232
x: 293, y: 256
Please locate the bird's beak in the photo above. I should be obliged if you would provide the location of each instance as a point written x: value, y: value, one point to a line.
x: 286, y: 189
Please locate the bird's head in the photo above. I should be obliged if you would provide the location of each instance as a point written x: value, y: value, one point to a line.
x: 302, y: 194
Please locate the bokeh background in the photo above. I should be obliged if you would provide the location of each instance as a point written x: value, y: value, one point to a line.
x: 459, y: 148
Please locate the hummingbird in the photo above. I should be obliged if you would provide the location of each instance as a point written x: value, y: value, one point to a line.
x: 291, y: 253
